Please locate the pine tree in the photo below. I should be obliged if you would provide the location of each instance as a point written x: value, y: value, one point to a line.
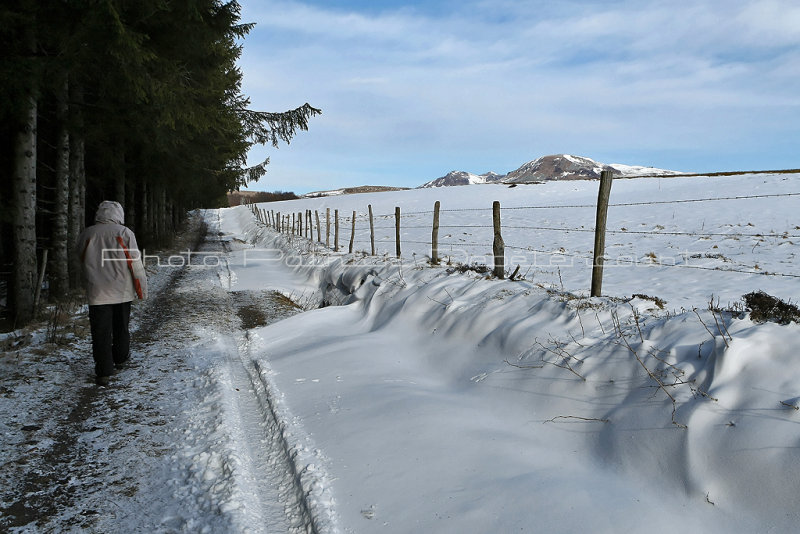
x: 20, y: 104
x: 138, y: 102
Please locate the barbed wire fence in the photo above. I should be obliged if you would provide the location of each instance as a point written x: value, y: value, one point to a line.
x: 301, y: 224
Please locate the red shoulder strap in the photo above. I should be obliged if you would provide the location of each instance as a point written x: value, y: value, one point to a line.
x: 136, y: 284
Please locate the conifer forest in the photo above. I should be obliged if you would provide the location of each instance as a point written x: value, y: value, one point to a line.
x: 134, y: 101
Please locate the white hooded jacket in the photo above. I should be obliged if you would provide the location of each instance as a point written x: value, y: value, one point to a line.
x: 111, y: 261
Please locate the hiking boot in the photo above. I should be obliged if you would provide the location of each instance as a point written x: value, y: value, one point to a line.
x: 102, y: 380
x: 123, y: 364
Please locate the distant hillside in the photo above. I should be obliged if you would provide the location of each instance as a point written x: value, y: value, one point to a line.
x: 626, y: 171
x: 463, y: 178
x: 236, y: 198
x: 546, y: 168
x: 354, y: 190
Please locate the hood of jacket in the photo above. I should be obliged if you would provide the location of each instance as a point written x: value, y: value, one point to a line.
x: 109, y: 212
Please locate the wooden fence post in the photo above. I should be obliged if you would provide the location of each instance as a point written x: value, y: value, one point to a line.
x: 327, y: 227
x: 352, y: 234
x: 278, y: 221
x: 336, y: 230
x: 498, y: 247
x: 435, y: 235
x: 397, y: 230
x: 600, y: 232
x: 309, y: 228
x: 319, y: 228
x: 371, y: 230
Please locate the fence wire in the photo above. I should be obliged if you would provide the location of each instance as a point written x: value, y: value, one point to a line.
x: 653, y: 233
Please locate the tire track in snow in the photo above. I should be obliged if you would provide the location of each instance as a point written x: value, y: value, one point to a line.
x: 267, y: 450
x: 271, y: 465
x: 308, y: 484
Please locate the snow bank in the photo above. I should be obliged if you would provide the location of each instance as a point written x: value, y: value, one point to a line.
x: 449, y: 402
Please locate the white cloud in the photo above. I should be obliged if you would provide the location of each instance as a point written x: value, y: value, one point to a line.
x: 493, y: 78
x: 770, y: 23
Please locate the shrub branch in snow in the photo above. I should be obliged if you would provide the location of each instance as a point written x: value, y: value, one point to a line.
x: 764, y: 307
x: 563, y: 358
x: 553, y: 420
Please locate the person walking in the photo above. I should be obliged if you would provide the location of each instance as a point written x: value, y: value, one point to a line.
x: 114, y: 275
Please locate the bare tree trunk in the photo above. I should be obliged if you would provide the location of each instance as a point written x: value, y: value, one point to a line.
x: 24, y: 201
x: 156, y: 214
x: 77, y: 189
x: 59, y: 267
x: 169, y: 219
x: 177, y: 215
x: 145, y: 218
x: 153, y: 205
x: 119, y: 176
x: 130, y: 207
x: 162, y: 216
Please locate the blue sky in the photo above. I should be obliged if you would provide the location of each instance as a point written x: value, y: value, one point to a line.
x: 413, y: 90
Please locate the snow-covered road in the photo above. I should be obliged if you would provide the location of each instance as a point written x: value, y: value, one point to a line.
x: 183, y: 441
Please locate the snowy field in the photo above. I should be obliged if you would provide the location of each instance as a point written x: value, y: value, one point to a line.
x: 658, y: 243
x: 411, y: 398
x: 450, y: 403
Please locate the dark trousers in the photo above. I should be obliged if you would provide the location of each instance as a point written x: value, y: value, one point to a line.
x: 111, y: 340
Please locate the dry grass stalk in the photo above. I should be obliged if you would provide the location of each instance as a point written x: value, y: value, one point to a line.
x: 553, y: 420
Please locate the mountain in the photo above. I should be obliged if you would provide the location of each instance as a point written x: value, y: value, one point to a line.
x: 566, y: 167
x: 557, y: 167
x: 464, y: 178
x: 552, y: 167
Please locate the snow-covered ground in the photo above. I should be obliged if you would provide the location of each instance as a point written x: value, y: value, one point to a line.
x: 424, y: 399
x: 657, y: 243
